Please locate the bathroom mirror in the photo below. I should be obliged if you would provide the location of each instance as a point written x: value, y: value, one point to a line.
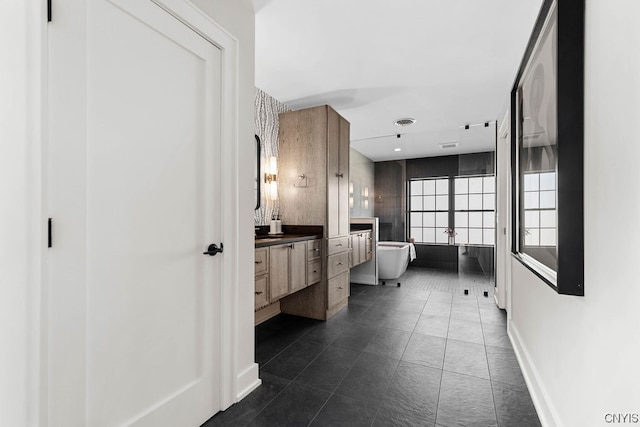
x: 257, y: 172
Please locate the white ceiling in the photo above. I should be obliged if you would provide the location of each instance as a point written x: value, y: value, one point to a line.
x: 445, y: 63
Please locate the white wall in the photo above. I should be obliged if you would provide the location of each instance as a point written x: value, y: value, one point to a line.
x: 361, y: 176
x: 582, y: 354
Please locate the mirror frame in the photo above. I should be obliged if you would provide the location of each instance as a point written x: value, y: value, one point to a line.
x: 257, y: 173
x: 570, y: 147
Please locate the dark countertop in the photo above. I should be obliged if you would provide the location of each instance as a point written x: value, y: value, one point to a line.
x: 264, y: 241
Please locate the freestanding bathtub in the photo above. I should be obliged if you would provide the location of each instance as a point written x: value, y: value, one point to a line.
x: 393, y: 258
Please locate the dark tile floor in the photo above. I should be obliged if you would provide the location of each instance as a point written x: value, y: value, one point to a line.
x: 423, y: 354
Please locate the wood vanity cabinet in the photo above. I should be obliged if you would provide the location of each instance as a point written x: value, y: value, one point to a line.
x: 360, y: 247
x: 262, y: 277
x: 314, y: 190
x: 282, y: 270
x: 314, y: 261
x: 287, y: 269
x: 313, y: 168
x: 368, y: 246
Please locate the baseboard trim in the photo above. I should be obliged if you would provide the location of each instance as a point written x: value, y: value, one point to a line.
x: 248, y: 381
x: 546, y: 412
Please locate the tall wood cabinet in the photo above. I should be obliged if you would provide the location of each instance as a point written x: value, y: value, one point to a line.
x: 313, y: 176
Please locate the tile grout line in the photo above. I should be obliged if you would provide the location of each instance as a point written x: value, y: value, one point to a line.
x: 493, y: 395
x: 444, y: 357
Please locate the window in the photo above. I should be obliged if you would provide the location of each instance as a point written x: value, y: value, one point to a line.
x: 540, y: 210
x: 429, y: 210
x: 471, y: 207
x: 475, y: 215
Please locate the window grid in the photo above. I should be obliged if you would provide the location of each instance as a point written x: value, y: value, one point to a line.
x: 429, y: 210
x: 540, y: 215
x: 474, y: 214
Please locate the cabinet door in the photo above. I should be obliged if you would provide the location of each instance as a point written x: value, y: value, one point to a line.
x: 338, y: 289
x: 262, y: 291
x: 362, y: 247
x: 337, y: 264
x: 298, y: 266
x: 333, y: 174
x: 279, y: 271
x: 355, y: 250
x: 261, y: 261
x: 314, y: 272
x: 314, y: 249
x: 368, y: 246
x: 343, y: 180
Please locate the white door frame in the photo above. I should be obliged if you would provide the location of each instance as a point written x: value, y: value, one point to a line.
x: 503, y: 250
x: 22, y: 216
x: 201, y: 23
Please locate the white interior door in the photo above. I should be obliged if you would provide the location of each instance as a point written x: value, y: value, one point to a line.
x: 134, y: 330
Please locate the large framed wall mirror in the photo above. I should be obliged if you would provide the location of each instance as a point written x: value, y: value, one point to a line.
x: 257, y: 172
x: 547, y: 105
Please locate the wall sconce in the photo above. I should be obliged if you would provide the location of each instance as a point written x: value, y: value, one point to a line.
x: 351, y: 195
x: 365, y: 197
x: 270, y: 177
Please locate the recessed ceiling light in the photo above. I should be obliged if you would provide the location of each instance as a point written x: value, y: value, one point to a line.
x: 397, y: 149
x: 405, y: 121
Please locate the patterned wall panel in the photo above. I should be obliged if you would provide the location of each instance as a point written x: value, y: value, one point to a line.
x: 266, y: 127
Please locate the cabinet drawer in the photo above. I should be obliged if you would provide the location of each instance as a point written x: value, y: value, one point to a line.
x: 337, y: 264
x: 314, y: 272
x: 262, y: 261
x: 262, y: 287
x: 338, y: 244
x: 315, y: 249
x: 338, y: 289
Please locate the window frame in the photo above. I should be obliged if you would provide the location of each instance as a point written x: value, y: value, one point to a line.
x: 435, y: 211
x: 468, y: 193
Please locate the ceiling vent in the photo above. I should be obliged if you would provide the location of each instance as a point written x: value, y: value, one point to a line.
x: 448, y: 145
x: 404, y: 122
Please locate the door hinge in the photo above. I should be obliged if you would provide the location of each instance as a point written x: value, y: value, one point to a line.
x: 48, y: 10
x: 49, y: 234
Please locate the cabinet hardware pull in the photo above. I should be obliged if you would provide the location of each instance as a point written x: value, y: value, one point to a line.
x: 258, y: 262
x: 340, y: 175
x: 258, y: 293
x: 339, y: 287
x: 315, y: 271
x: 339, y: 244
x: 339, y: 263
x: 316, y: 249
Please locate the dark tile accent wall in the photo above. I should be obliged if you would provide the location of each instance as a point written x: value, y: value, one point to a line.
x: 476, y: 163
x: 428, y: 167
x: 486, y: 259
x: 435, y: 256
x: 389, y: 201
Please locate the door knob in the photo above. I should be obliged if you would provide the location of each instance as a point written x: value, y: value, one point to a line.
x: 213, y: 249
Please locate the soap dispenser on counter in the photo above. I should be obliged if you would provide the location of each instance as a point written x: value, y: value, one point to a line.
x: 276, y: 225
